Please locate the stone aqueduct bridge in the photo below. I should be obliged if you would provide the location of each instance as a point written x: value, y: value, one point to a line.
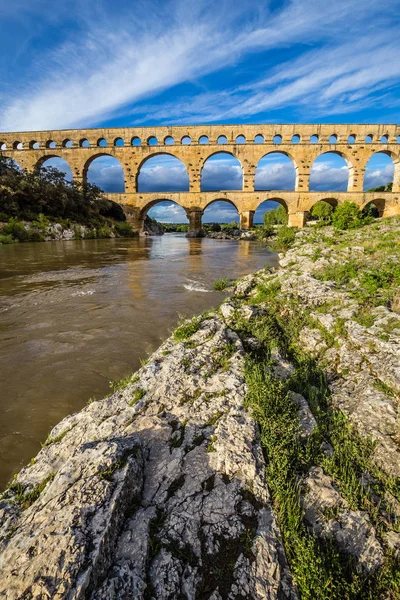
x: 302, y: 143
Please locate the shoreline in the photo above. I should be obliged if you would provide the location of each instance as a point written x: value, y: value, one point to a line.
x: 290, y: 368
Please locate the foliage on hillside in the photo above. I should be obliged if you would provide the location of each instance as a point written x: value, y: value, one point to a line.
x: 25, y: 195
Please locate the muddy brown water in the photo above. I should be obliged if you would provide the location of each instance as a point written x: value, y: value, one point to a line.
x: 76, y: 315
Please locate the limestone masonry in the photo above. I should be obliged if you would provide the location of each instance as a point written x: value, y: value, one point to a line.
x: 193, y: 145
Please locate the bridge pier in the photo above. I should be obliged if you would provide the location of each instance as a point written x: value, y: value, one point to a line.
x: 195, y: 226
x: 246, y: 219
x: 298, y: 218
x: 133, y: 217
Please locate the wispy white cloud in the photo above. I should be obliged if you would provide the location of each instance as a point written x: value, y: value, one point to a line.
x: 119, y: 57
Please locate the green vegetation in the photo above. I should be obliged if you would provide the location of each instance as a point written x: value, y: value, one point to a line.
x: 277, y: 216
x: 320, y: 568
x: 137, y: 395
x: 26, y: 498
x: 60, y: 437
x: 349, y: 216
x: 31, y: 201
x: 322, y: 211
x: 285, y: 238
x: 222, y: 284
x: 120, y: 385
x: 187, y: 329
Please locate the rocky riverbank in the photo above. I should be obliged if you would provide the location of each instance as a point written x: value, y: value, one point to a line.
x: 234, y: 234
x: 255, y: 454
x: 44, y: 231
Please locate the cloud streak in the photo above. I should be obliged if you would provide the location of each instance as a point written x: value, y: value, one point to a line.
x: 115, y: 60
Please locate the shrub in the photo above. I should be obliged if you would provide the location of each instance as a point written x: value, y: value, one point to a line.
x: 285, y: 238
x: 124, y: 229
x: 104, y: 232
x: 221, y: 284
x: 6, y: 239
x: 16, y: 229
x: 348, y: 216
x: 230, y: 226
x: 265, y: 231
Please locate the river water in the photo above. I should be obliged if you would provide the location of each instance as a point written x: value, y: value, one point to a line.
x: 76, y: 315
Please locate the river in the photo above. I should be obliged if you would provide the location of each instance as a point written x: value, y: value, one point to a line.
x: 76, y: 315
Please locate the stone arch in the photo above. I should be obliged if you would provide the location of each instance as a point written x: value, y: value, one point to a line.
x: 3, y: 146
x: 14, y: 163
x: 278, y: 177
x: 329, y: 200
x: 152, y: 141
x: 222, y: 139
x: 267, y: 205
x: 203, y: 139
x: 169, y: 141
x: 186, y: 140
x: 240, y: 139
x: 277, y: 139
x: 102, y: 142
x: 384, y: 170
x: 17, y: 145
x: 352, y: 139
x: 259, y: 139
x: 136, y: 141
x: 335, y: 178
x: 333, y: 139
x: 164, y: 201
x: 378, y: 203
x: 51, y: 144
x: 34, y: 145
x: 369, y: 138
x: 296, y: 139
x: 111, y: 182
x: 314, y: 139
x: 384, y: 139
x: 226, y: 174
x: 56, y: 161
x: 162, y: 181
x: 219, y: 204
x: 84, y: 143
x: 67, y: 143
x: 119, y: 142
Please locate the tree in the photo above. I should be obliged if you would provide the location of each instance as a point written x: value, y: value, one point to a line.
x: 322, y: 211
x: 347, y: 216
x: 277, y: 216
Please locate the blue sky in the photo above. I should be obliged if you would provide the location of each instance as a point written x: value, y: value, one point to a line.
x: 88, y: 63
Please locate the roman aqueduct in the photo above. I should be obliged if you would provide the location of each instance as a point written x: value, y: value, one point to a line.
x: 303, y: 144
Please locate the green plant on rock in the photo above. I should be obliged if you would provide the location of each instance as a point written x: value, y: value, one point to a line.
x: 187, y: 329
x: 285, y: 238
x: 221, y: 284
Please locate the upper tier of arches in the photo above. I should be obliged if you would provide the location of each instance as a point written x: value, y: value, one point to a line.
x: 323, y: 134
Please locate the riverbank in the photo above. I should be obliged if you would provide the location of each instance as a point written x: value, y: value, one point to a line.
x: 43, y: 230
x: 256, y: 453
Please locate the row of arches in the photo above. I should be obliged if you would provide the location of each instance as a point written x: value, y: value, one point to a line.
x: 225, y: 211
x: 187, y: 140
x: 275, y: 171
